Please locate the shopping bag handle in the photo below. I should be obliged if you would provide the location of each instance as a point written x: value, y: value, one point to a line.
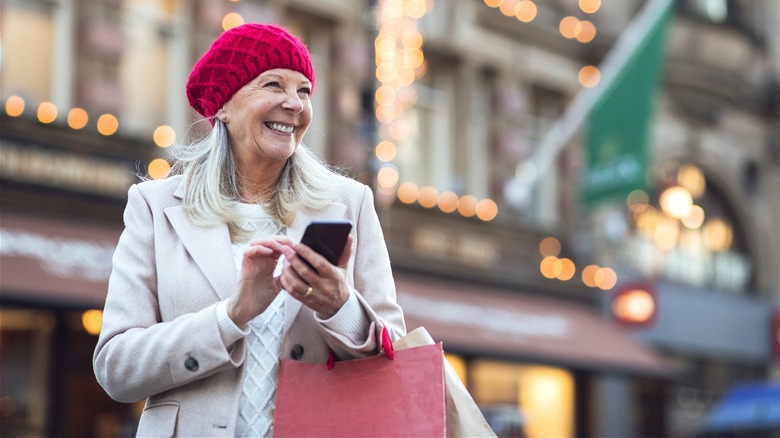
x: 387, y: 348
x: 387, y: 344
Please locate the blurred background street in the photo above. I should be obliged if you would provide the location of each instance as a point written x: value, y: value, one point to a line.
x: 581, y: 198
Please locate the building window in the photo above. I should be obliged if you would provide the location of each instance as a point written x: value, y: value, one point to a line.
x: 28, y: 30
x: 524, y: 400
x: 141, y: 75
x: 24, y: 371
x: 425, y: 132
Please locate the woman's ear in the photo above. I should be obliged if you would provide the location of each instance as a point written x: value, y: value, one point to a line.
x: 222, y: 115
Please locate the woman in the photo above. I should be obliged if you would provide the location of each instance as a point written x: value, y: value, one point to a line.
x: 209, y: 289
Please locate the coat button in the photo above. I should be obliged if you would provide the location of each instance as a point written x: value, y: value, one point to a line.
x: 297, y: 351
x: 191, y: 364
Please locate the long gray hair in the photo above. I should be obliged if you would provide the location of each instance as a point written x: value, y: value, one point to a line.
x: 211, y: 177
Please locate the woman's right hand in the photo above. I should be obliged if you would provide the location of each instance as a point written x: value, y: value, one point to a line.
x: 257, y: 287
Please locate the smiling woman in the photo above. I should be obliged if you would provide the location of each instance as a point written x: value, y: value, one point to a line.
x: 210, y: 288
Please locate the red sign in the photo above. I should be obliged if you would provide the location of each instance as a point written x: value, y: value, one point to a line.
x: 634, y: 304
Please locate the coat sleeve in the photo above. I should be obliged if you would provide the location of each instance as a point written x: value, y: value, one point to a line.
x: 373, y: 284
x: 137, y: 354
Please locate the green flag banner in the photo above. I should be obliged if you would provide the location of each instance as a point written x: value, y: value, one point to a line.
x: 618, y: 130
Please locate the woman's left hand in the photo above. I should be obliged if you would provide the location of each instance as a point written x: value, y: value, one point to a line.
x: 317, y: 284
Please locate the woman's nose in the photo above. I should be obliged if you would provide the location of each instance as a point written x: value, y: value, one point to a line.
x: 293, y: 102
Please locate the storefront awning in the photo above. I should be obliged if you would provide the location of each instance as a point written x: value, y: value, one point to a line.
x: 481, y: 320
x: 58, y: 262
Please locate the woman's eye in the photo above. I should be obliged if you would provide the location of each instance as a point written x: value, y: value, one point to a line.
x: 305, y: 90
x: 273, y: 84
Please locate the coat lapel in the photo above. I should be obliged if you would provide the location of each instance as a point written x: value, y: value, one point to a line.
x: 209, y: 247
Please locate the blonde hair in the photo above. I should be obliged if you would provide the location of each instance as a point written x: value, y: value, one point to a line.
x: 211, y: 178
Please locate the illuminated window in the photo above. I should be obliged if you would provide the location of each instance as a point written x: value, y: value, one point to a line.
x: 524, y: 400
x: 685, y: 231
x: 25, y: 361
x: 28, y: 35
x: 147, y: 64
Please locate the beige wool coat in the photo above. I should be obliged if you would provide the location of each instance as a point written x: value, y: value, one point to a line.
x: 160, y: 339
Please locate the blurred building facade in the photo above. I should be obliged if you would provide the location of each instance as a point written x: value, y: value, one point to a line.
x: 563, y: 319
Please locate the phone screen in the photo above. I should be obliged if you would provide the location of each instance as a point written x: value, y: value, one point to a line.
x: 327, y: 238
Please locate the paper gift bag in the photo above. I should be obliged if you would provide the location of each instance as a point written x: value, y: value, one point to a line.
x: 399, y: 393
x: 464, y: 418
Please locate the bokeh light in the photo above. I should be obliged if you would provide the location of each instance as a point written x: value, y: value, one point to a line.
x: 92, y: 321
x: 415, y: 8
x: 448, y: 202
x: 587, y: 32
x: 232, y: 20
x: 487, y: 210
x: 412, y: 39
x: 429, y: 197
x: 387, y: 176
x: 507, y: 7
x: 589, y: 6
x: 47, y: 112
x: 158, y: 169
x: 107, y: 124
x: 692, y: 178
x: 385, y: 151
x: 77, y: 118
x: 568, y: 26
x: 408, y: 193
x: 634, y: 306
x: 164, y: 136
x: 525, y: 11
x: 14, y: 106
x: 564, y: 269
x: 717, y: 234
x: 694, y: 219
x: 605, y: 278
x: 589, y: 76
x: 385, y: 95
x: 589, y: 275
x: 547, y: 267
x: 550, y: 246
x: 676, y: 201
x: 467, y: 206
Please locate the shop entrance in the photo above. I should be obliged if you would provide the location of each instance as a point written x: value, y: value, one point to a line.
x: 47, y: 386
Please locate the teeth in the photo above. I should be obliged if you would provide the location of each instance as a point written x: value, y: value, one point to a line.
x: 281, y: 128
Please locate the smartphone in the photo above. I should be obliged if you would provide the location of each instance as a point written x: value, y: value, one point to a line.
x: 327, y: 238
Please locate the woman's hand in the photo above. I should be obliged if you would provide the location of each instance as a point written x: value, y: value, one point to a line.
x: 257, y: 287
x: 328, y: 283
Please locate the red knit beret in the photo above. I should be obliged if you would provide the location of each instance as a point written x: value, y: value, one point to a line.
x: 238, y: 56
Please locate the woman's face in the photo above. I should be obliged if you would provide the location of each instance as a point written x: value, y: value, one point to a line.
x: 268, y: 117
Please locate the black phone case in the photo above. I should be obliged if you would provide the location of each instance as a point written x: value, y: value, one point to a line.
x: 327, y: 238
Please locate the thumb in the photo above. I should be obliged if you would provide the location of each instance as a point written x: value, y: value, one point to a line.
x: 278, y: 283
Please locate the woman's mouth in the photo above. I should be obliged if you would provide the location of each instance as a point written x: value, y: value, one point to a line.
x: 280, y: 127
